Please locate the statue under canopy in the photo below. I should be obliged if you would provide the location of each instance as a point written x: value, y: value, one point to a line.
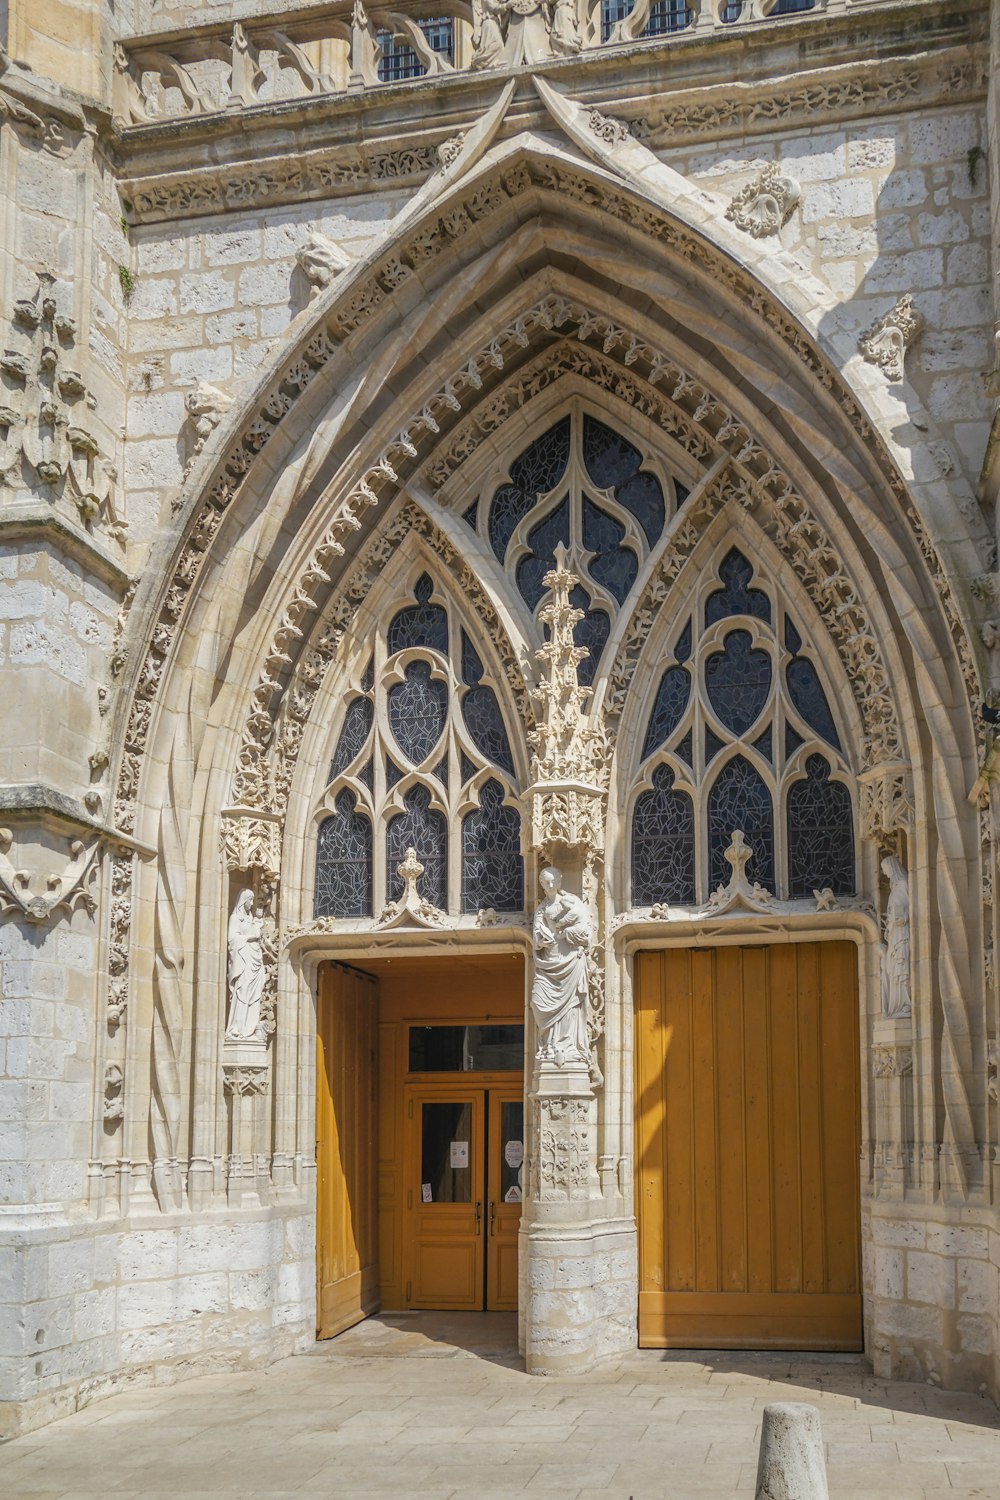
x: 247, y: 974
x: 896, y: 996
x: 562, y: 936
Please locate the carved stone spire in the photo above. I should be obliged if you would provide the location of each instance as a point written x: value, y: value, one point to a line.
x: 566, y: 747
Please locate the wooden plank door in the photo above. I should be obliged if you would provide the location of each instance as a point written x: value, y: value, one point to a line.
x: 747, y: 1138
x: 504, y: 1185
x: 445, y: 1166
x: 346, y: 1202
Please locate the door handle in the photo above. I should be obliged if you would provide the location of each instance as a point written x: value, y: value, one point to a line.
x: 493, y: 1214
x: 479, y: 1216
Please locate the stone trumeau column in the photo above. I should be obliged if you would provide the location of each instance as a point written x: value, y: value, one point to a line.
x: 570, y: 1253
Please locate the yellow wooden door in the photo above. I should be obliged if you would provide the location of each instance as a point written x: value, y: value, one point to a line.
x: 504, y: 1184
x: 444, y: 1179
x: 747, y: 1139
x: 346, y: 1213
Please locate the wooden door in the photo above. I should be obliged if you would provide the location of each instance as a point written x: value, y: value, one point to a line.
x: 346, y: 1213
x: 747, y: 1139
x: 504, y: 1183
x: 444, y: 1179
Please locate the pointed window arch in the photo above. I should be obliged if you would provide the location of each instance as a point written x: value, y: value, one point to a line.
x: 582, y: 486
x: 740, y: 733
x: 423, y: 748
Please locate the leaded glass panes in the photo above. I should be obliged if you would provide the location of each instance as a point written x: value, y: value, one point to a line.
x: 736, y: 597
x: 537, y: 470
x: 738, y: 681
x: 542, y: 540
x: 732, y: 697
x: 421, y: 625
x: 424, y: 829
x: 427, y: 736
x: 492, y: 868
x: 613, y: 464
x: 358, y: 719
x: 417, y: 708
x: 739, y: 799
x: 820, y: 833
x: 344, y: 863
x: 668, y: 708
x: 663, y: 844
x: 808, y: 697
x: 592, y: 632
x: 612, y: 565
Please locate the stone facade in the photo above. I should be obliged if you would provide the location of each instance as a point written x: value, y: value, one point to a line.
x: 267, y: 321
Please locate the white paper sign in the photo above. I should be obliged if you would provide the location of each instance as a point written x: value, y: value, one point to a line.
x: 513, y: 1153
x: 512, y: 1195
x: 459, y: 1153
x: 426, y: 1196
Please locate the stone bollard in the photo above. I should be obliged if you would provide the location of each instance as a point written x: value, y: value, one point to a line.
x: 791, y: 1464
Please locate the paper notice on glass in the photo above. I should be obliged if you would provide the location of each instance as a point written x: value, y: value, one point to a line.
x: 513, y: 1153
x: 426, y: 1196
x: 512, y: 1195
x: 459, y: 1153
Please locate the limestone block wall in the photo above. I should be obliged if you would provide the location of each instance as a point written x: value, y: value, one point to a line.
x: 87, y: 1308
x: 893, y: 207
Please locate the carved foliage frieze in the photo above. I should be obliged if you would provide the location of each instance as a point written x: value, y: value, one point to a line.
x: 563, y: 1148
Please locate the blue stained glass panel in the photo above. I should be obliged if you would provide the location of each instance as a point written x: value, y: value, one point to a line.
x: 763, y: 744
x: 368, y: 680
x: 344, y: 862
x: 668, y: 708
x: 809, y: 699
x: 685, y: 749
x: 417, y: 709
x: 613, y: 566
x: 393, y: 775
x: 425, y: 830
x: 683, y: 648
x: 820, y: 833
x: 492, y: 867
x: 535, y: 472
x: 358, y: 721
x: 592, y: 631
x: 543, y: 540
x: 614, y: 464
x: 472, y: 667
x: 423, y: 624
x: 740, y: 799
x: 736, y: 597
x: 712, y: 744
x: 470, y: 516
x: 468, y: 770
x: 663, y: 844
x: 793, y: 641
x: 792, y: 741
x: 738, y: 681
x: 484, y: 721
x: 367, y: 775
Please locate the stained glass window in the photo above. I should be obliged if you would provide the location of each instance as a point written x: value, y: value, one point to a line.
x: 668, y: 708
x: 344, y: 862
x: 614, y: 464
x: 358, y: 720
x: 663, y: 844
x: 418, y: 709
x: 492, y: 868
x: 738, y: 681
x: 736, y: 597
x: 542, y: 540
x: 421, y: 625
x: 808, y: 697
x: 739, y: 799
x: 592, y: 632
x: 484, y: 721
x: 422, y: 828
x: 537, y: 471
x: 613, y: 566
x: 820, y: 833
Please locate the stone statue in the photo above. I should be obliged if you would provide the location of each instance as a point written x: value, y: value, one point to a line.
x: 511, y: 32
x: 247, y: 975
x: 896, y: 997
x: 561, y: 938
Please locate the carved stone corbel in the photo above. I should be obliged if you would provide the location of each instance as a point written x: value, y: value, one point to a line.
x: 766, y: 204
x: 885, y: 343
x: 320, y: 259
x: 65, y: 892
x: 206, y: 406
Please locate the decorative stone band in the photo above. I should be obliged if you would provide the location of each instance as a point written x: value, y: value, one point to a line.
x: 240, y: 1079
x: 891, y: 1062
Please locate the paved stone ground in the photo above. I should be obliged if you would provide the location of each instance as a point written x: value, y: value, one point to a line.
x: 437, y: 1407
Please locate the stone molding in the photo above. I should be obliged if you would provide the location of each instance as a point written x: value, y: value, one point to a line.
x: 365, y: 290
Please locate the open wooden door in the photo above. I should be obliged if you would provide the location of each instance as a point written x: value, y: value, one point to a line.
x: 747, y: 1133
x: 346, y: 1157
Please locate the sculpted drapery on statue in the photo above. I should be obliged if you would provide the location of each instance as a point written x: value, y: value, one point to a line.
x: 523, y: 31
x: 896, y: 996
x: 561, y: 937
x: 247, y: 975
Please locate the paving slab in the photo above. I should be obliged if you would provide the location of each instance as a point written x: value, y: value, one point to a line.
x: 438, y: 1407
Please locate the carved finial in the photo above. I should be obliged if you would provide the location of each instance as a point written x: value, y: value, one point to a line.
x: 885, y: 343
x: 737, y: 856
x: 566, y: 747
x: 411, y: 905
x: 739, y: 891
